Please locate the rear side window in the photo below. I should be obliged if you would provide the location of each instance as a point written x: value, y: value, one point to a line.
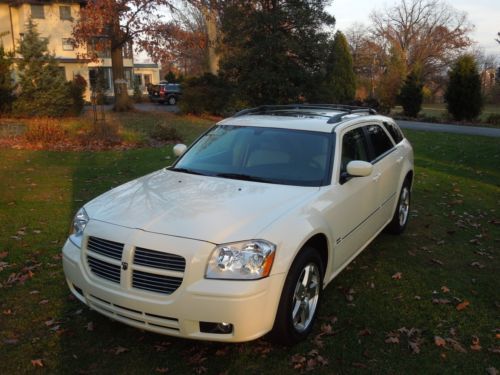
x: 379, y: 139
x: 394, y: 132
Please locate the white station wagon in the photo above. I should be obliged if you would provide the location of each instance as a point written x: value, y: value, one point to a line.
x: 239, y: 237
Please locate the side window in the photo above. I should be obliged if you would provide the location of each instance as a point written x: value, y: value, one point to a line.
x: 354, y: 147
x: 380, y: 140
x: 394, y: 132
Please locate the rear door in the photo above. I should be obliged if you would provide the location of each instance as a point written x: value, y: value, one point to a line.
x: 386, y: 159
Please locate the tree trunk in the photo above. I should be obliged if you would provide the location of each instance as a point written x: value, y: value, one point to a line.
x: 210, y: 15
x: 122, y: 101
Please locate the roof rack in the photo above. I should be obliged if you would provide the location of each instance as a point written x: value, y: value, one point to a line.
x: 345, y: 110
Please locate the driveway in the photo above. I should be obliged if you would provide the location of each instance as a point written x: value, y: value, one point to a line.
x: 449, y: 128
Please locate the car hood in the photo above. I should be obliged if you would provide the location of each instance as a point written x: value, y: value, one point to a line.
x: 205, y: 208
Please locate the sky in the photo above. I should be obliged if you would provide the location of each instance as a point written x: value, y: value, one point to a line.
x: 483, y: 14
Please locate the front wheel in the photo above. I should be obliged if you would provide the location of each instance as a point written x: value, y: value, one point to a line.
x: 300, y: 299
x: 402, y: 213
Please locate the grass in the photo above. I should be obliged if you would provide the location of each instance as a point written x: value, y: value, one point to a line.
x: 454, y: 223
x: 439, y: 113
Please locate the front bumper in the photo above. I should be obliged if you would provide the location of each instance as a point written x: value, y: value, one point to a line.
x: 250, y: 306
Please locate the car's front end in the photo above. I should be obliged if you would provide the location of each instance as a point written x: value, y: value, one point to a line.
x: 159, y: 283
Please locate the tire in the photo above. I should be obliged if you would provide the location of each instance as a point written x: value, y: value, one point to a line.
x: 172, y: 100
x: 402, y: 212
x: 298, y: 306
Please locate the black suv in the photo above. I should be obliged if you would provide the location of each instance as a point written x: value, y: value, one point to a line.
x: 165, y: 92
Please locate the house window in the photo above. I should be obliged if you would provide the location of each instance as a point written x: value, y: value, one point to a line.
x: 100, y: 78
x: 65, y: 12
x: 137, y: 80
x: 67, y: 44
x: 37, y: 11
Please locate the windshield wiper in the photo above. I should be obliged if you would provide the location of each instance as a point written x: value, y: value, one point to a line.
x: 240, y: 176
x: 186, y: 170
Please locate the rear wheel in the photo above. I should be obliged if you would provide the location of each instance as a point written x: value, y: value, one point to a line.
x: 402, y: 213
x: 172, y: 100
x: 300, y: 298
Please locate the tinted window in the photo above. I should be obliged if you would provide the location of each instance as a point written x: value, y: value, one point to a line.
x: 379, y: 139
x: 280, y: 156
x: 394, y: 132
x: 353, y: 148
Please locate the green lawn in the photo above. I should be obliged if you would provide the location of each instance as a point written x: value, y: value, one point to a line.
x: 439, y: 111
x: 449, y: 254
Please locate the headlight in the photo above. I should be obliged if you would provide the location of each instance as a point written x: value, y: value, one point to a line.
x: 248, y: 260
x: 79, y: 223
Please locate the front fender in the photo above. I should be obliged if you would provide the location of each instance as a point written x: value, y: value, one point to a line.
x: 292, y: 232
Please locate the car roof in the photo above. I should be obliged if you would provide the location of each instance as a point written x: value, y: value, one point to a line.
x: 320, y: 118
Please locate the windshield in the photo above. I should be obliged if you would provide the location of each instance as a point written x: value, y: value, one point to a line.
x: 280, y: 156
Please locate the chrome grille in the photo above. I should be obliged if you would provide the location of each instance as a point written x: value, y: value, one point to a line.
x: 105, y: 270
x: 155, y: 283
x: 157, y: 259
x: 105, y: 247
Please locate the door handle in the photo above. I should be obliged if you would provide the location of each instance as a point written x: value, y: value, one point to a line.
x: 376, y: 177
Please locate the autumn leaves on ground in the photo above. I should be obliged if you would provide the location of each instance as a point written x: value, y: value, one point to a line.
x: 424, y: 302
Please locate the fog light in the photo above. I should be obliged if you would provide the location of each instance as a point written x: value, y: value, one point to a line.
x: 218, y: 328
x: 224, y: 327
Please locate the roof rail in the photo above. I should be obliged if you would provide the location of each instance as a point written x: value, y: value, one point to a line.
x: 346, y: 110
x: 338, y: 118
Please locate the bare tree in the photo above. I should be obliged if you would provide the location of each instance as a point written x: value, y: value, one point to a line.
x: 428, y: 33
x: 368, y: 58
x: 180, y: 43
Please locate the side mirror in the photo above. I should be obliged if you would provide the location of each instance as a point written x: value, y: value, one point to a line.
x: 179, y: 149
x: 359, y: 168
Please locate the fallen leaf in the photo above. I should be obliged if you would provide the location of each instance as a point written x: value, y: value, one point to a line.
x: 3, y: 254
x: 456, y: 345
x: 37, y: 362
x: 439, y: 341
x: 162, y: 370
x: 477, y: 265
x: 392, y: 340
x: 365, y: 332
x: 463, y: 305
x: 437, y: 261
x: 326, y: 329
x: 492, y: 371
x: 119, y: 350
x: 397, y: 276
x: 10, y: 341
x: 445, y: 289
x: 414, y: 346
x: 475, y: 344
